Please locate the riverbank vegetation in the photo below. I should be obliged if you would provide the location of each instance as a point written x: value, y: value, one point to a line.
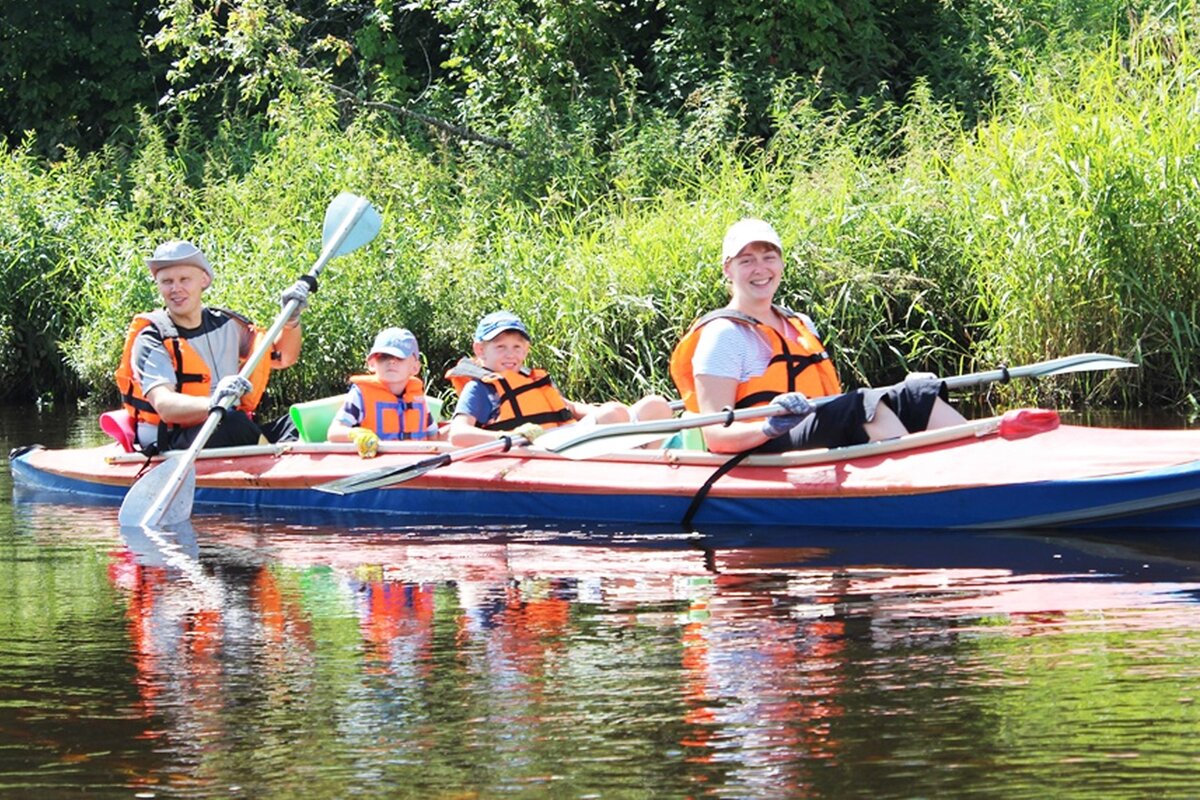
x: 1034, y: 196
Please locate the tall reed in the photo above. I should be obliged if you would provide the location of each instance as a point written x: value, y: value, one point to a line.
x: 1066, y: 223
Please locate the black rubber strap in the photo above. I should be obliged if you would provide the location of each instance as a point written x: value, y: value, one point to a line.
x: 729, y: 418
x: 311, y: 280
x: 702, y: 493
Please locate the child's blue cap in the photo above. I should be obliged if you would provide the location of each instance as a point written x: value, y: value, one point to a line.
x: 497, y: 323
x: 398, y: 342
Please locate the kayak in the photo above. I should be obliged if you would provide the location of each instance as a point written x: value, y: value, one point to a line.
x: 979, y: 475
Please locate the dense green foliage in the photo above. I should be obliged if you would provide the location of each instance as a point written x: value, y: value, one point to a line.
x: 920, y: 234
x: 75, y: 72
x: 72, y: 71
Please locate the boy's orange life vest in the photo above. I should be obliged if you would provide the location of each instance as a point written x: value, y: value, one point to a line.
x: 192, y: 375
x: 801, y: 366
x: 391, y: 417
x: 525, y: 395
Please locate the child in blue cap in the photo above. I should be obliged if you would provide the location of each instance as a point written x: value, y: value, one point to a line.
x: 498, y: 393
x: 389, y: 402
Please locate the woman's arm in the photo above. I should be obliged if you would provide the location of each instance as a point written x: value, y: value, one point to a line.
x: 715, y: 394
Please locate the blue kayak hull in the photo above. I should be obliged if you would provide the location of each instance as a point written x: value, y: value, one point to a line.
x: 1089, y: 479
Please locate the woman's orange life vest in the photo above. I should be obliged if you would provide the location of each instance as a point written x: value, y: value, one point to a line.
x: 192, y: 374
x: 800, y: 366
x: 525, y: 395
x: 391, y: 417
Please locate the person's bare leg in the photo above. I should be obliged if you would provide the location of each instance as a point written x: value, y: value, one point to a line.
x: 944, y: 415
x: 650, y: 407
x: 885, y: 425
x: 608, y: 413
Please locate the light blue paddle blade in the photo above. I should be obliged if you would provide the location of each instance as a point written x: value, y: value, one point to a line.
x: 342, y: 207
x: 141, y: 501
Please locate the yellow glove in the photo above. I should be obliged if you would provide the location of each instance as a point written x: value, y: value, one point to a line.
x: 366, y: 441
x: 530, y: 430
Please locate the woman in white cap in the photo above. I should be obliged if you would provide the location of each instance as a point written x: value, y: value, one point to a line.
x: 180, y: 361
x: 753, y: 352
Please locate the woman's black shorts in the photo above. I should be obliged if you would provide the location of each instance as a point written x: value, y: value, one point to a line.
x: 840, y: 421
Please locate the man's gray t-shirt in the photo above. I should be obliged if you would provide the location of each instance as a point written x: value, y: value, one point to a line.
x: 220, y: 340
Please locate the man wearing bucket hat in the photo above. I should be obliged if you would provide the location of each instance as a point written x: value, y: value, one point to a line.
x: 753, y: 352
x: 389, y: 403
x: 180, y: 361
x: 498, y: 393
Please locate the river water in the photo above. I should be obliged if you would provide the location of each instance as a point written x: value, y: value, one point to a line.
x: 295, y: 656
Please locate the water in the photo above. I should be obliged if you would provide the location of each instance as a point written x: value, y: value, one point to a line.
x: 317, y: 657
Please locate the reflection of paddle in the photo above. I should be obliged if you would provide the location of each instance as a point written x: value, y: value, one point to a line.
x: 163, y: 496
x: 386, y: 476
x: 576, y: 444
x: 179, y: 550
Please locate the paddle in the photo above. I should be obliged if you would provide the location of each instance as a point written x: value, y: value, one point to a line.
x: 386, y: 476
x: 576, y: 444
x: 163, y: 496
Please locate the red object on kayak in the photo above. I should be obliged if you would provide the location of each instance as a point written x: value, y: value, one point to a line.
x: 1021, y: 422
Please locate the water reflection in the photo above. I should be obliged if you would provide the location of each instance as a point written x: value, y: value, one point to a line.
x: 319, y: 658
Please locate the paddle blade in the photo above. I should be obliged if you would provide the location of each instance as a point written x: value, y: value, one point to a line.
x: 342, y: 208
x: 383, y: 476
x: 142, y: 504
x: 580, y: 450
x: 1091, y: 362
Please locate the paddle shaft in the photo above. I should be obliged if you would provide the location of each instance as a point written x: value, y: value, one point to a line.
x: 387, y: 476
x: 559, y: 443
x: 155, y: 512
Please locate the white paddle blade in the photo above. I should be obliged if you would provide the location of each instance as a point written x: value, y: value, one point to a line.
x: 140, y: 506
x: 346, y: 206
x: 608, y: 445
x: 1098, y: 362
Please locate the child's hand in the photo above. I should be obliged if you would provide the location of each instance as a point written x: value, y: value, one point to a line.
x: 366, y: 441
x: 530, y: 430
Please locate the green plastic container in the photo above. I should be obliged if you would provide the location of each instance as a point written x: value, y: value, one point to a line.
x: 312, y: 418
x: 686, y: 439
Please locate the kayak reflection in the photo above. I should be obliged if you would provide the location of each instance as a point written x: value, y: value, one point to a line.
x: 711, y: 662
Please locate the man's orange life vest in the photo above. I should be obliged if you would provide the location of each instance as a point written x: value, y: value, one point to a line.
x: 391, y: 417
x: 192, y: 374
x: 800, y: 366
x: 525, y: 395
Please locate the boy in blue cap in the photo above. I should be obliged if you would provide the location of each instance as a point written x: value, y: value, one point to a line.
x: 498, y: 393
x: 388, y: 403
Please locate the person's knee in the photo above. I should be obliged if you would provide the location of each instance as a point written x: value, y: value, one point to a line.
x: 611, y: 412
x: 651, y: 407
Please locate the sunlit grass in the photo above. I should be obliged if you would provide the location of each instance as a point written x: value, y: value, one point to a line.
x: 1069, y: 222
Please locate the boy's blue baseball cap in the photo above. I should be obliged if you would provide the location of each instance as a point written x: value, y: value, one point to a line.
x: 497, y: 323
x: 398, y: 342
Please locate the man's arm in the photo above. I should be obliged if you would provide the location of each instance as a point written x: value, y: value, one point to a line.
x: 288, y: 347
x: 176, y: 408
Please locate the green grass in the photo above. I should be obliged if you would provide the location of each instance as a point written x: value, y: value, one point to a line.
x: 1068, y: 222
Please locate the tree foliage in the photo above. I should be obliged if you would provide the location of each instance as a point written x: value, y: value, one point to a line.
x: 530, y: 70
x: 72, y: 71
